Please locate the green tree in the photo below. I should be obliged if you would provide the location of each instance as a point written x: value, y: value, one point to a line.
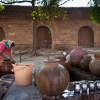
x: 47, y: 5
x: 46, y: 10
x: 1, y: 8
x: 95, y: 11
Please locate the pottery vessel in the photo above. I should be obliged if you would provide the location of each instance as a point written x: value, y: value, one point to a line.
x: 61, y: 60
x: 94, y: 65
x: 5, y: 67
x: 52, y: 78
x: 84, y: 63
x: 76, y: 56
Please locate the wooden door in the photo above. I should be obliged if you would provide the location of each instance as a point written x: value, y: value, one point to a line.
x: 86, y: 37
x: 2, y: 34
x: 43, y: 37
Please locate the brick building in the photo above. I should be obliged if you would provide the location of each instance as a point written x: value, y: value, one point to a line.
x: 16, y: 24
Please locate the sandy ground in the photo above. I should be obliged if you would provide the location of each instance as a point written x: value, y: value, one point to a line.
x: 39, y: 60
x: 36, y: 60
x: 26, y: 56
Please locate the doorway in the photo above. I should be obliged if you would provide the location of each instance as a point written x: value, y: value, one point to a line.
x: 86, y: 37
x: 43, y: 37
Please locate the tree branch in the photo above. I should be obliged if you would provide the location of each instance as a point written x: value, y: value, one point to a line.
x: 14, y: 2
x: 64, y: 2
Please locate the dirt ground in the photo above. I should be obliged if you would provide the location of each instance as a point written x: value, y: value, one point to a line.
x: 36, y: 60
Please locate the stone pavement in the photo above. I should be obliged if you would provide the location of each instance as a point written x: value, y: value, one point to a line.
x: 16, y: 92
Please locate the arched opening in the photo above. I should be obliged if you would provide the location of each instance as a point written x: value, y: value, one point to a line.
x: 86, y: 37
x: 2, y: 34
x: 43, y: 37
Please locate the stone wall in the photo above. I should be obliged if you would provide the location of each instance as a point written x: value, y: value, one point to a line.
x: 17, y: 24
x: 66, y: 34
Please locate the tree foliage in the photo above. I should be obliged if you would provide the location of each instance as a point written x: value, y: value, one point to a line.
x: 1, y: 8
x: 49, y: 11
x: 95, y: 11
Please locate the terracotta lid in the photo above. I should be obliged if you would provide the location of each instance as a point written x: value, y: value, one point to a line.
x: 52, y: 60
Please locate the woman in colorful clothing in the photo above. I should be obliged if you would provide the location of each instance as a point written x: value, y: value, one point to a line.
x: 6, y: 48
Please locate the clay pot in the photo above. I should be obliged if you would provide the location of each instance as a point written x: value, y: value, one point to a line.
x: 94, y: 65
x: 52, y: 78
x: 76, y: 56
x: 84, y: 63
x: 61, y: 60
x: 65, y: 63
x: 5, y: 67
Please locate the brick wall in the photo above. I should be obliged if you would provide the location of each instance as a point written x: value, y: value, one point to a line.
x: 17, y: 24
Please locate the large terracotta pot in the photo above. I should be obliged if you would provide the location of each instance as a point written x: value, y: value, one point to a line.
x: 5, y: 67
x: 84, y: 63
x: 94, y: 65
x: 52, y: 78
x: 76, y: 56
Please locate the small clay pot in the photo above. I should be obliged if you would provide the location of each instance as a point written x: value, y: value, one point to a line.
x: 61, y: 60
x: 5, y: 67
x: 84, y: 63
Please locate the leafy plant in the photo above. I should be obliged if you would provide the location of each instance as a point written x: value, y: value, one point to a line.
x: 95, y: 11
x: 48, y: 14
x: 48, y: 10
